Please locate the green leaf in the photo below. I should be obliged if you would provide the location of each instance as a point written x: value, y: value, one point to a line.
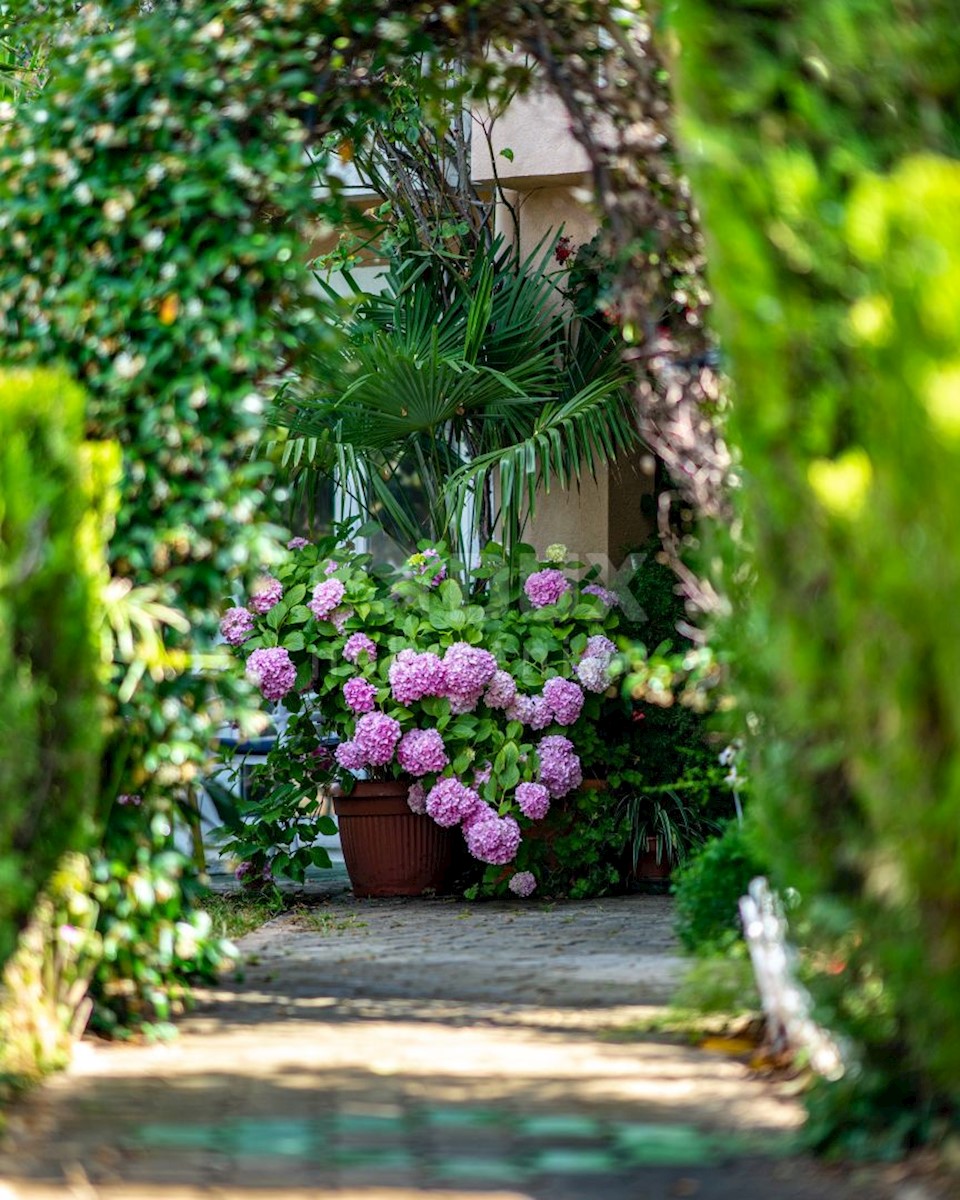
x: 294, y: 641
x: 451, y: 594
x: 510, y: 777
x: 326, y: 826
x: 276, y: 615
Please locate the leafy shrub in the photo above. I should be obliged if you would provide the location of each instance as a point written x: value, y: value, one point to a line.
x: 50, y: 716
x: 709, y: 885
x: 156, y: 939
x: 827, y: 149
x: 43, y: 993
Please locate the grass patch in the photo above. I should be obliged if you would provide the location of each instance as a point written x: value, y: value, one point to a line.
x: 325, y: 922
x: 236, y: 913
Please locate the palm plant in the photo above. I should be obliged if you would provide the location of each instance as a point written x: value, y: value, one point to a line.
x: 472, y: 382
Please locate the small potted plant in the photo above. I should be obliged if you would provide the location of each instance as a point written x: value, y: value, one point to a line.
x: 456, y: 704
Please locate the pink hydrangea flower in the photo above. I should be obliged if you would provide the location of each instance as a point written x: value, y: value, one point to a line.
x: 482, y: 774
x: 534, y: 800
x: 501, y: 690
x: 546, y: 587
x: 357, y: 644
x: 272, y: 671
x: 340, y: 616
x: 422, y: 752
x: 492, y: 839
x: 565, y: 699
x: 376, y: 735
x: 599, y: 647
x: 593, y: 674
x: 331, y: 567
x: 520, y: 709
x: 360, y: 695
x: 236, y: 626
x: 610, y: 599
x: 467, y: 671
x: 413, y: 676
x: 451, y: 802
x: 350, y: 756
x: 267, y: 592
x: 560, y: 771
x: 297, y: 543
x: 522, y: 883
x: 326, y: 596
x: 417, y: 798
x: 540, y: 713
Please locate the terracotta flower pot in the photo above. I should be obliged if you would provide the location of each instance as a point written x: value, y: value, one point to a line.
x: 388, y: 849
x: 648, y: 866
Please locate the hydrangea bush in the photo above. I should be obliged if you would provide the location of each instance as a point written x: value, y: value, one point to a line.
x: 480, y: 698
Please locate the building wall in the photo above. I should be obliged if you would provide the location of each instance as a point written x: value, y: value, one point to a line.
x: 547, y: 186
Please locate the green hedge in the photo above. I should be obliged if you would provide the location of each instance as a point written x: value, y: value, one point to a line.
x: 823, y: 140
x: 50, y: 715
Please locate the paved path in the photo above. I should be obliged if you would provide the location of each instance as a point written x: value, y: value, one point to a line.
x: 425, y: 1050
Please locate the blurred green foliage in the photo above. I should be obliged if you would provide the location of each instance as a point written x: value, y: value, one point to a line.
x: 824, y: 142
x: 51, y: 714
x: 155, y: 938
x: 709, y: 885
x: 44, y: 1004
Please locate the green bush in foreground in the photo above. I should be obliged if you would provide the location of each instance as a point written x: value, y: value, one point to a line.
x: 50, y: 715
x: 708, y: 888
x: 824, y: 140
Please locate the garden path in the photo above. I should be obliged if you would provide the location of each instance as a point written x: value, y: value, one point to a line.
x: 406, y: 1050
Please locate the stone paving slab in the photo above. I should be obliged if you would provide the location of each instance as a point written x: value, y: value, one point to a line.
x: 425, y: 1050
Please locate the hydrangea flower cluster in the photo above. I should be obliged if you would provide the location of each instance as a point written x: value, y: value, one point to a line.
x: 523, y: 884
x: 297, y: 543
x: 565, y: 699
x: 236, y: 626
x: 610, y: 599
x: 359, y: 695
x: 413, y: 676
x: 534, y: 800
x: 560, y: 769
x: 501, y: 690
x: 539, y: 712
x: 326, y: 596
x: 600, y: 647
x: 593, y: 669
x: 417, y: 798
x: 272, y: 671
x: 450, y: 802
x: 357, y: 644
x: 267, y: 592
x: 350, y: 756
x: 339, y: 617
x: 376, y: 737
x: 467, y: 671
x: 482, y: 774
x: 490, y: 838
x: 422, y: 752
x: 546, y: 587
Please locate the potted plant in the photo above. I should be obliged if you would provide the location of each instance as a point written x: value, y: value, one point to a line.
x: 467, y: 698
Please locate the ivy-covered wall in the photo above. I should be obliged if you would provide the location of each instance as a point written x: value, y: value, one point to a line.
x: 152, y: 201
x: 824, y: 143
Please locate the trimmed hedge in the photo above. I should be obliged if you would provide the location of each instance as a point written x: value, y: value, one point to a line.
x: 824, y: 140
x: 50, y: 715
